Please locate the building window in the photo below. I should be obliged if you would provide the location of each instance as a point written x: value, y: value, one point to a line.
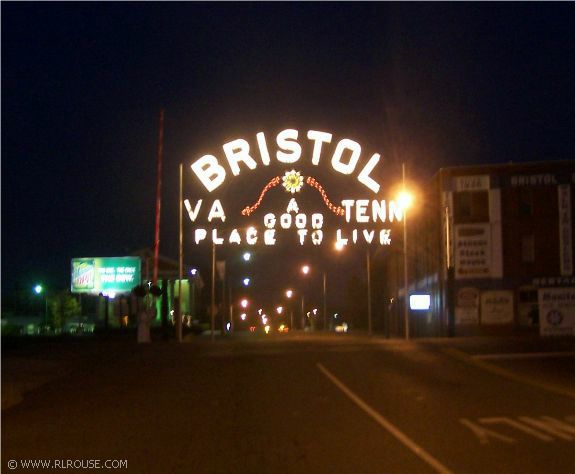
x: 528, y: 249
x: 526, y: 202
x: 470, y: 207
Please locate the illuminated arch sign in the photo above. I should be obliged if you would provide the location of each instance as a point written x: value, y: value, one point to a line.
x: 358, y: 220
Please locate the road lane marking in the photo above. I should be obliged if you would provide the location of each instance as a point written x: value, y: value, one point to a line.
x: 544, y: 428
x: 483, y: 433
x: 517, y: 425
x: 523, y: 355
x: 418, y: 450
x: 508, y: 374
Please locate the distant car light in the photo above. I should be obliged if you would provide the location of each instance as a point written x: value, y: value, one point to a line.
x: 341, y: 328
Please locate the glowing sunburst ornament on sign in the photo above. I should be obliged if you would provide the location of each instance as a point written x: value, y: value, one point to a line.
x: 292, y: 181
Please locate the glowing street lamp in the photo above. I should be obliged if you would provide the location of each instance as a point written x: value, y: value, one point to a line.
x: 280, y: 309
x: 305, y: 270
x: 39, y: 289
x: 405, y: 200
x: 247, y: 256
x: 246, y: 281
x: 244, y: 303
x: 289, y: 294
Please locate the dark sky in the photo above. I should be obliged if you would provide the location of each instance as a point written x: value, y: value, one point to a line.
x: 428, y: 84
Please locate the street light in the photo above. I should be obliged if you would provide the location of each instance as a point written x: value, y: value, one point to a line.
x: 339, y: 247
x: 405, y: 200
x: 244, y: 303
x: 247, y: 256
x: 305, y: 270
x: 289, y: 294
x: 246, y: 281
x: 39, y: 289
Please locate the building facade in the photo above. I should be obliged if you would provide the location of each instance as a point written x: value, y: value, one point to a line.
x: 493, y: 245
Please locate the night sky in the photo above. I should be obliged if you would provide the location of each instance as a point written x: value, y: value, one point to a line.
x: 431, y: 85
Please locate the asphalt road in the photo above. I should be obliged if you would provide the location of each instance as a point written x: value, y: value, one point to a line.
x: 305, y: 404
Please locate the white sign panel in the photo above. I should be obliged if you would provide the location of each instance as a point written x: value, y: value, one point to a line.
x: 471, y: 183
x: 467, y: 306
x: 557, y: 311
x: 472, y: 251
x: 497, y: 307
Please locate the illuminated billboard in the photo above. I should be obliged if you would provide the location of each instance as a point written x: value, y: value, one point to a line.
x: 106, y: 275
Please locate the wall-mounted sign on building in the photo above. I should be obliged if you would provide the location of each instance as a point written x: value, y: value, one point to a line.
x: 361, y: 220
x: 497, y: 307
x: 467, y: 306
x: 557, y: 311
x: 472, y: 251
x: 106, y: 275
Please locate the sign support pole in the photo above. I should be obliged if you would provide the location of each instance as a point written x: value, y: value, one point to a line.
x: 368, y: 263
x: 213, y: 302
x: 405, y: 282
x: 158, y: 195
x: 181, y: 263
x: 324, y: 302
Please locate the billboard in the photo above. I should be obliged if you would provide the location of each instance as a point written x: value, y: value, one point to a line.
x: 109, y: 275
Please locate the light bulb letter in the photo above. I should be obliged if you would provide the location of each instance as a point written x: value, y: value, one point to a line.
x: 270, y: 221
x: 263, y: 146
x: 235, y: 237
x: 361, y: 210
x: 237, y: 151
x: 199, y: 235
x: 209, y: 172
x: 217, y: 212
x: 340, y: 241
x: 319, y: 138
x: 395, y: 212
x: 292, y: 206
x: 364, y: 177
x: 343, y: 145
x: 378, y: 211
x: 193, y: 213
x: 316, y: 221
x: 347, y: 205
x: 215, y: 239
x: 270, y: 237
x: 290, y: 149
x: 251, y: 236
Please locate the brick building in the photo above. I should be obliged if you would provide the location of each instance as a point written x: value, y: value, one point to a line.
x: 493, y: 246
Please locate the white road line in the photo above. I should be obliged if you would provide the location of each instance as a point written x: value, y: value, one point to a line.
x: 419, y: 451
x: 523, y: 355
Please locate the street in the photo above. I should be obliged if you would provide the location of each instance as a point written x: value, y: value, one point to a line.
x: 306, y: 403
